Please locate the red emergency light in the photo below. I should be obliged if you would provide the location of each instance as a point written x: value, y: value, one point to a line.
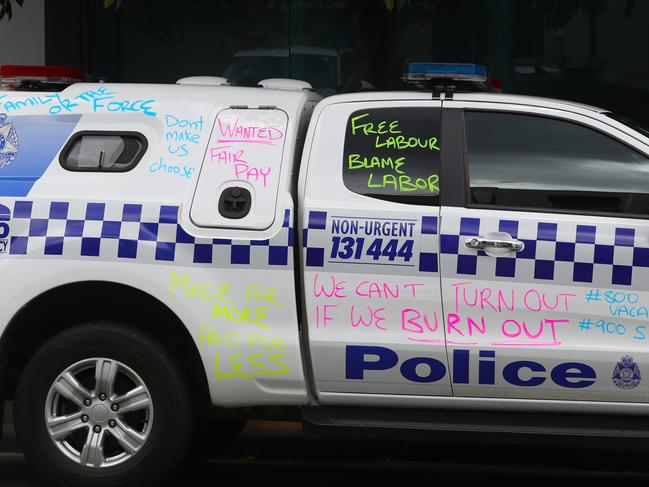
x: 31, y: 72
x: 20, y: 77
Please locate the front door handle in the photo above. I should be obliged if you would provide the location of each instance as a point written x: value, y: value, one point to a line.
x: 481, y: 243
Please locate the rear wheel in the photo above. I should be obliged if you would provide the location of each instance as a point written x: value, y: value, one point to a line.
x: 103, y: 404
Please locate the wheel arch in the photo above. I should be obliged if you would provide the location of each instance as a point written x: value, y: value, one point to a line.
x: 68, y: 305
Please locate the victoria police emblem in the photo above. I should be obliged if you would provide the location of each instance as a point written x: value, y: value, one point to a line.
x: 626, y: 374
x: 8, y: 141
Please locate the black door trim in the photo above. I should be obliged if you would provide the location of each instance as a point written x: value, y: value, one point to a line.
x: 453, y: 174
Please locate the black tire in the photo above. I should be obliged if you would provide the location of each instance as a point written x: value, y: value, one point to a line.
x: 171, y: 411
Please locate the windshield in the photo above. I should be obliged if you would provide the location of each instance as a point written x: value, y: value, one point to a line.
x: 320, y: 71
x: 250, y: 70
x: 629, y: 123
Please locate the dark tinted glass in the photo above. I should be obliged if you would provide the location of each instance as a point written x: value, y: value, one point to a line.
x: 393, y: 154
x: 96, y: 151
x: 529, y: 161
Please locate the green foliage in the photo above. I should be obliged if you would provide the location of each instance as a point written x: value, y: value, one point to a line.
x: 391, y: 4
x: 6, y: 8
x: 112, y: 3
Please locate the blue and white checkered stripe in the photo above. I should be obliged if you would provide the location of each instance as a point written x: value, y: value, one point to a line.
x: 428, y: 247
x: 148, y: 233
x: 563, y: 252
x: 316, y: 228
x: 316, y: 242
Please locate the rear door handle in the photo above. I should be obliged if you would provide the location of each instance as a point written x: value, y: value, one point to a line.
x: 481, y: 243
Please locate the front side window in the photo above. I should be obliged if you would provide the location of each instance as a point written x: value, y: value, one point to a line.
x: 539, y: 162
x: 103, y: 151
x: 394, y: 154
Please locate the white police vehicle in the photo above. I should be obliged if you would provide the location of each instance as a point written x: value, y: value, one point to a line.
x: 167, y: 249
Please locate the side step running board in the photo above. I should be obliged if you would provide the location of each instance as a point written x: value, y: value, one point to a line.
x: 318, y: 420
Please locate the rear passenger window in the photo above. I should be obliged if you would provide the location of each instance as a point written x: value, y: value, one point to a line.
x: 394, y: 154
x: 103, y: 151
x: 528, y: 161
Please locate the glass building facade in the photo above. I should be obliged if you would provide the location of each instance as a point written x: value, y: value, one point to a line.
x: 590, y: 51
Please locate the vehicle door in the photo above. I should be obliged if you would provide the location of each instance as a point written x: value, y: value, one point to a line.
x: 370, y: 188
x: 545, y: 255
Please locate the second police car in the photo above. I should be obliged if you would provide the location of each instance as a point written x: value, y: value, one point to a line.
x: 169, y: 249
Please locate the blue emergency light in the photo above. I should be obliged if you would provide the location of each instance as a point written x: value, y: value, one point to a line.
x: 419, y: 72
x: 448, y: 78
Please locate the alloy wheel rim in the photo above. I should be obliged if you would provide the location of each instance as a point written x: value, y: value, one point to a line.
x: 99, y: 412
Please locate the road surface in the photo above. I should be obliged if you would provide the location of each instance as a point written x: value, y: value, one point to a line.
x: 279, y: 453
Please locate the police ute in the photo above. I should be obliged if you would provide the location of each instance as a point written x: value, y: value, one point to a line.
x: 176, y: 259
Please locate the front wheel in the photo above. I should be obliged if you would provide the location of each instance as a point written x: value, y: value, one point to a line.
x: 103, y: 405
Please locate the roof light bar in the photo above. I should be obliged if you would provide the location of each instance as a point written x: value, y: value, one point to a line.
x: 38, y: 78
x: 418, y: 72
x: 13, y: 72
